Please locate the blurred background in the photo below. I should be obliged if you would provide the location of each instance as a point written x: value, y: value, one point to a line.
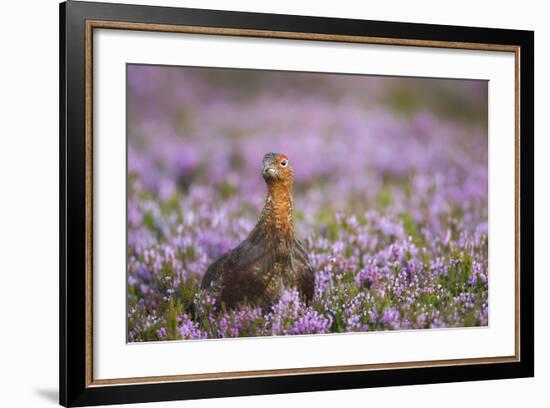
x: 356, y: 142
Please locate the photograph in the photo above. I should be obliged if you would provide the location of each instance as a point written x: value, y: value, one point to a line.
x: 278, y: 203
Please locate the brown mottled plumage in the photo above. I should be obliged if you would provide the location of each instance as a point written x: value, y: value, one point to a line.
x: 270, y: 259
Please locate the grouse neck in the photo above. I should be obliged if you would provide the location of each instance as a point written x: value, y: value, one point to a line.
x: 277, y: 213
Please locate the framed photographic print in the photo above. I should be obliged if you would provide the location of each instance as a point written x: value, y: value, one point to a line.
x: 256, y: 203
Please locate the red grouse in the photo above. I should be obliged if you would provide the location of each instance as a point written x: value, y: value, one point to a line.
x: 270, y: 259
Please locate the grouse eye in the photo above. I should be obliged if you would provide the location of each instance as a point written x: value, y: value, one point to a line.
x: 284, y: 163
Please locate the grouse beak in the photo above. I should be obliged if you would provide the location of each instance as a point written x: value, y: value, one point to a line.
x: 268, y: 170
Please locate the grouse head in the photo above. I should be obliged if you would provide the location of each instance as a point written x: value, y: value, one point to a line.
x: 276, y: 169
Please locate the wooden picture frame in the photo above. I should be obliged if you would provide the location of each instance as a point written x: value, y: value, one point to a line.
x: 78, y: 20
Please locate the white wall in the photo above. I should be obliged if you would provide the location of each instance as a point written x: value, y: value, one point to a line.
x: 29, y: 205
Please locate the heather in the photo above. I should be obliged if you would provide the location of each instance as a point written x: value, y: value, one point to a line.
x: 390, y: 198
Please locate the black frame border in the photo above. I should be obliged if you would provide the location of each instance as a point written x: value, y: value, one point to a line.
x: 72, y: 125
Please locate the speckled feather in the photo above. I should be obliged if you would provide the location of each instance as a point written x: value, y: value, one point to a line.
x: 270, y: 259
